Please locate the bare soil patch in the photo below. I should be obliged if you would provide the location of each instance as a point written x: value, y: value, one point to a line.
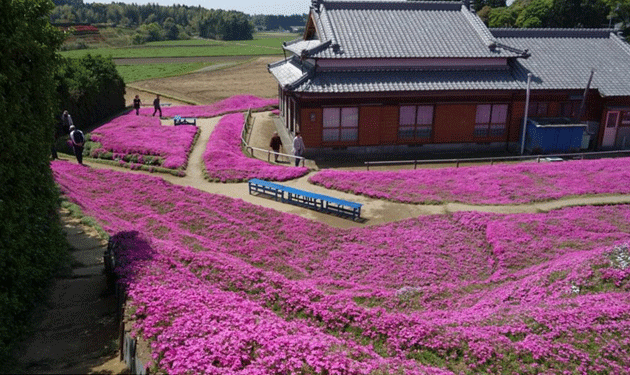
x: 209, y: 86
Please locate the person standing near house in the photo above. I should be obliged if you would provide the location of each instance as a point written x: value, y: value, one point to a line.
x: 137, y: 103
x: 298, y: 147
x: 66, y: 122
x: 77, y: 138
x: 156, y: 105
x: 275, y: 144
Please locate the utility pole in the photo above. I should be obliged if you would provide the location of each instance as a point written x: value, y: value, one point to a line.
x: 529, y: 81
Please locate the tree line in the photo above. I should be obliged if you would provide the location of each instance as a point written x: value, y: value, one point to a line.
x: 154, y: 22
x: 555, y: 13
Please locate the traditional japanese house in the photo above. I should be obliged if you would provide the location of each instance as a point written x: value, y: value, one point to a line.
x: 375, y: 74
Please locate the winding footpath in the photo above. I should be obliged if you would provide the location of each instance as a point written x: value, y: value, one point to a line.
x: 373, y: 212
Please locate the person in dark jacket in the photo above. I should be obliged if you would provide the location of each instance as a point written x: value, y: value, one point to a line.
x: 156, y: 105
x: 275, y: 144
x: 137, y: 104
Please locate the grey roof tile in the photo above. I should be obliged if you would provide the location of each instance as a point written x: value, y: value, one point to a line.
x: 289, y: 71
x: 395, y: 81
x: 563, y: 59
x: 402, y: 29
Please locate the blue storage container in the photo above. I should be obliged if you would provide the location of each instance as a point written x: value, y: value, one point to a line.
x: 553, y: 135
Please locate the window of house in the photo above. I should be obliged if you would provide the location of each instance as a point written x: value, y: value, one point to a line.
x: 491, y: 120
x: 416, y: 121
x: 341, y: 124
x: 570, y: 109
x: 625, y: 119
x: 538, y: 109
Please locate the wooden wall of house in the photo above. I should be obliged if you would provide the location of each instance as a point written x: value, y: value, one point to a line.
x: 454, y: 123
x: 311, y: 126
x: 370, y: 121
x: 454, y: 115
x: 389, y: 127
x: 515, y: 124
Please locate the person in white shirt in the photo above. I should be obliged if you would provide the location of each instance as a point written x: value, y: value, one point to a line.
x: 298, y: 147
x: 78, y: 139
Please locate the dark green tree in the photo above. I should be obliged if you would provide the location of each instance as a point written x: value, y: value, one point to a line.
x: 90, y: 88
x: 578, y: 13
x: 31, y: 241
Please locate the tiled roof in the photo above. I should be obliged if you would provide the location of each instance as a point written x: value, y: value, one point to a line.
x: 402, y: 29
x: 290, y: 72
x: 563, y: 59
x: 299, y: 45
x: 391, y: 81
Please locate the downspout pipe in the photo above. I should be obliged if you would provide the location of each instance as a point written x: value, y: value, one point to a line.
x: 578, y: 116
x: 529, y: 81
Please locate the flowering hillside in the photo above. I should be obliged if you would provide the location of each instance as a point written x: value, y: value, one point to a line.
x: 237, y: 103
x: 226, y: 162
x: 496, y: 184
x: 220, y: 286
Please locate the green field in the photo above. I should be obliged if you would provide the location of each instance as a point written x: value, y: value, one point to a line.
x: 265, y: 44
x: 133, y: 73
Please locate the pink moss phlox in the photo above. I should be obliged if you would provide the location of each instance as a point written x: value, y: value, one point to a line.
x: 225, y: 160
x: 218, y: 285
x: 238, y: 103
x: 497, y: 184
x: 130, y: 134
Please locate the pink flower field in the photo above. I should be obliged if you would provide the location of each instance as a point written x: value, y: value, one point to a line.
x: 220, y: 286
x: 145, y: 141
x: 225, y: 161
x: 496, y: 184
x: 238, y: 103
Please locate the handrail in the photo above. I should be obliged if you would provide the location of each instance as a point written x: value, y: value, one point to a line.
x: 251, y: 149
x: 492, y: 160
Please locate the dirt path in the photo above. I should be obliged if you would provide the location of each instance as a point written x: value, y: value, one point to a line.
x: 373, y: 211
x: 75, y: 330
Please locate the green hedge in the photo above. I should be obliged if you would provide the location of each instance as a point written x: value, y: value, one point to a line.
x: 90, y: 88
x: 32, y: 244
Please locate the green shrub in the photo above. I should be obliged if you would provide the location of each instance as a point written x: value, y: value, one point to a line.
x: 31, y: 240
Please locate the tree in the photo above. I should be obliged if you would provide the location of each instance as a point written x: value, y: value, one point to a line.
x: 480, y: 4
x: 31, y: 239
x: 502, y: 17
x: 578, y: 13
x: 536, y: 14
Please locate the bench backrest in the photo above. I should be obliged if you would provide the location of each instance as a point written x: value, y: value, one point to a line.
x: 304, y: 193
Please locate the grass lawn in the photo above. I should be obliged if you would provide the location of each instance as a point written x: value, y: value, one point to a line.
x: 269, y: 45
x: 133, y: 73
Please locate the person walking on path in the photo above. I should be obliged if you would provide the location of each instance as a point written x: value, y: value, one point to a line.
x: 156, y: 105
x: 77, y: 138
x: 275, y: 144
x: 298, y: 147
x: 137, y: 103
x: 66, y: 122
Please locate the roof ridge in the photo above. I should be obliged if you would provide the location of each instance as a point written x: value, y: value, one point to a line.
x: 479, y: 27
x: 620, y: 42
x: 550, y: 32
x: 334, y: 41
x: 377, y: 4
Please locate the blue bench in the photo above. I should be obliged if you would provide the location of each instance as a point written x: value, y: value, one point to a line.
x: 179, y: 120
x: 307, y: 199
